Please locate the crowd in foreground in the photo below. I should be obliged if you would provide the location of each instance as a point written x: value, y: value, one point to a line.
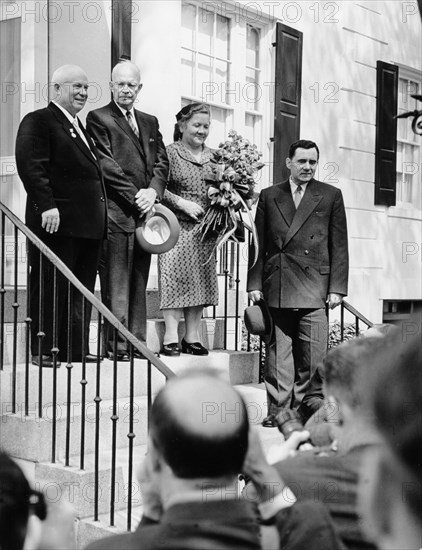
x: 362, y: 491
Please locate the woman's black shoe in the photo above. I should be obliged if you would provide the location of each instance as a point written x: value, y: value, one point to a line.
x: 171, y: 350
x: 196, y: 348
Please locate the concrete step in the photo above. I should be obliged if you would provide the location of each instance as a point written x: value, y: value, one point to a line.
x: 238, y: 367
x: 29, y: 436
x: 211, y: 334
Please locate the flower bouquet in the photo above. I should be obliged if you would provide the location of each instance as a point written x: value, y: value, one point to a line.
x: 231, y: 190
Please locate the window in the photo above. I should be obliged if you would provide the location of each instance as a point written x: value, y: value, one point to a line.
x: 221, y: 65
x: 205, y: 52
x: 397, y: 311
x: 408, y: 143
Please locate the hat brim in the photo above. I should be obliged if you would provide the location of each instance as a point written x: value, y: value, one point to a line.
x: 159, y: 232
x: 258, y: 319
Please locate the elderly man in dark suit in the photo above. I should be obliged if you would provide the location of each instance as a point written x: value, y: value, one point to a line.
x: 66, y: 208
x: 302, y: 266
x: 135, y: 166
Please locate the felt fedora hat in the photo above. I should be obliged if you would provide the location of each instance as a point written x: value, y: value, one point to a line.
x: 158, y: 230
x: 258, y: 319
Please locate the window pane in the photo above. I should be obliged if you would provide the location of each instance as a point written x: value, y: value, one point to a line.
x: 188, y: 73
x: 205, y: 31
x: 221, y: 76
x: 252, y: 47
x: 188, y: 25
x: 204, y: 72
x: 222, y: 38
x: 220, y: 119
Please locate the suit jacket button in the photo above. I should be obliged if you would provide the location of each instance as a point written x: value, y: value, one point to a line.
x: 306, y: 252
x: 102, y: 199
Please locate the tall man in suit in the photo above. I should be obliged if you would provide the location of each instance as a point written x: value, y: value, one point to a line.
x: 135, y: 166
x: 66, y: 208
x: 302, y: 265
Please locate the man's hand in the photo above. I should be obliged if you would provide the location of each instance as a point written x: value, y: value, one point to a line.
x: 50, y: 220
x: 151, y: 499
x: 145, y: 199
x: 255, y: 295
x: 334, y: 300
x: 193, y: 210
x: 266, y: 480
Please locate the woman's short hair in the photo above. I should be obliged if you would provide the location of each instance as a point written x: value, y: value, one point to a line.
x: 187, y: 113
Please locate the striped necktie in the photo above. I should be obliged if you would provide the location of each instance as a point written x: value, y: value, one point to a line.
x: 297, y: 197
x: 132, y: 124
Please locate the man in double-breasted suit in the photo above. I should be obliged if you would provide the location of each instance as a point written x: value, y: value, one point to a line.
x: 302, y: 266
x: 66, y: 208
x: 135, y: 166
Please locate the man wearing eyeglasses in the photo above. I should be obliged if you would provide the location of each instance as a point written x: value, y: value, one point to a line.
x: 302, y: 268
x: 58, y: 164
x: 135, y: 166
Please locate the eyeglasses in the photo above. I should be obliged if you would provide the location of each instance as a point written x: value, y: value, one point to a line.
x: 122, y: 85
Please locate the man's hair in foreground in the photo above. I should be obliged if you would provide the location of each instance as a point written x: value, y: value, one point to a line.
x: 346, y: 364
x: 213, y: 441
x: 17, y: 501
x: 302, y: 144
x: 396, y: 391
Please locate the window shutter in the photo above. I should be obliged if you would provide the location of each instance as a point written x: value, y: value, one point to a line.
x: 288, y: 91
x: 386, y: 134
x: 121, y: 30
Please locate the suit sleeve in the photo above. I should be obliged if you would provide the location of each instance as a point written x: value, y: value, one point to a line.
x: 255, y: 273
x: 307, y: 525
x: 338, y: 248
x: 161, y: 165
x: 33, y: 161
x: 115, y: 179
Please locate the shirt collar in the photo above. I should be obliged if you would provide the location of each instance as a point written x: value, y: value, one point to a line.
x: 124, y: 111
x: 69, y: 117
x: 293, y: 185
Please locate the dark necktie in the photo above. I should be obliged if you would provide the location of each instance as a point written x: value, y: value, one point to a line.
x: 132, y: 124
x: 297, y: 196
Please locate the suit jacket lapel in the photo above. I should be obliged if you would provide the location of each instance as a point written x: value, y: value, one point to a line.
x: 73, y: 134
x: 124, y: 125
x: 144, y: 132
x: 309, y: 202
x: 285, y: 203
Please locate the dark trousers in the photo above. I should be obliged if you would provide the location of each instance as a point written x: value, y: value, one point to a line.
x: 124, y: 270
x: 297, y: 345
x: 81, y: 256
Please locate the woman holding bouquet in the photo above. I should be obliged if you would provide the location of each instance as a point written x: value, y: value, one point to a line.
x: 187, y: 275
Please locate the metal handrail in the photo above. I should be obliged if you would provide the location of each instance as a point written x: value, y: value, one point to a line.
x: 101, y: 308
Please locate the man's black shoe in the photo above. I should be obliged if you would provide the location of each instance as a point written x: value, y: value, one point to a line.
x: 47, y: 361
x: 90, y: 358
x: 138, y: 355
x: 269, y: 421
x: 120, y: 356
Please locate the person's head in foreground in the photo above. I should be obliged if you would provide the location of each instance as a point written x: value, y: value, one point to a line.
x: 198, y: 433
x: 346, y: 407
x: 21, y: 508
x: 391, y: 480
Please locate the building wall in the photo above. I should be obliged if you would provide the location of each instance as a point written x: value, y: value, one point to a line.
x: 342, y: 42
